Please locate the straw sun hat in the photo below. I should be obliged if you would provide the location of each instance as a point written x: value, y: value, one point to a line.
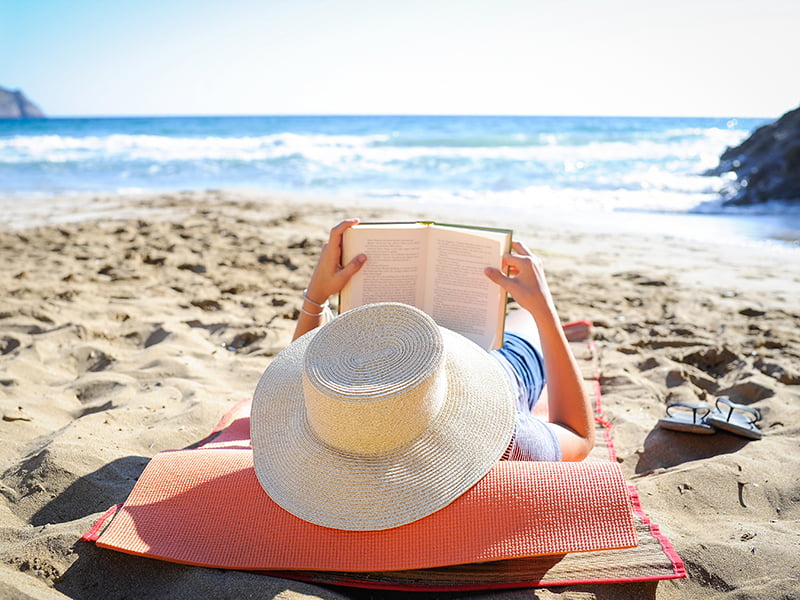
x: 378, y: 419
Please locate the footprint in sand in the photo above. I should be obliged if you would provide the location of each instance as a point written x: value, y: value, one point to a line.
x: 8, y: 345
x: 90, y: 358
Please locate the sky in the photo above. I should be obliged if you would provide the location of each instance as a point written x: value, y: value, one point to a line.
x: 723, y: 58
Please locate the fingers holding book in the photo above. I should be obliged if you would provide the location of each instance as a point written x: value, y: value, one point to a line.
x: 330, y: 276
x: 525, y: 281
x: 328, y: 279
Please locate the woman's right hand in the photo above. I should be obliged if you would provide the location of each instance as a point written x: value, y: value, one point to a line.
x: 526, y: 281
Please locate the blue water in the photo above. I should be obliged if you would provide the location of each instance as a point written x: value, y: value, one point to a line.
x: 534, y: 164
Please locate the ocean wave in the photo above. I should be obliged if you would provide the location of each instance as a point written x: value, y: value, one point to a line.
x: 509, y: 140
x: 371, y: 150
x: 55, y: 148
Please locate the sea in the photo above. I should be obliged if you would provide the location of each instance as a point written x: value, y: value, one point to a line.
x: 618, y: 173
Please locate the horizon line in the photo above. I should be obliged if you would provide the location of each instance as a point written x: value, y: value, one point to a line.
x: 401, y: 115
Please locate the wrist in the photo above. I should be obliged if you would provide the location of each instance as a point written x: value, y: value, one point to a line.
x: 314, y: 309
x: 542, y: 310
x: 315, y: 299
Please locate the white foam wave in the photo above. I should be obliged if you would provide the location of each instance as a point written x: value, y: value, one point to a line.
x: 54, y: 148
x: 700, y: 146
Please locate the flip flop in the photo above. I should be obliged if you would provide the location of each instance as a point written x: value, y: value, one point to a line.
x: 678, y: 419
x: 738, y: 419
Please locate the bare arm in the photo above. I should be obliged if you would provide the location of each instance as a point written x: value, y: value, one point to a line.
x: 569, y: 405
x: 328, y: 278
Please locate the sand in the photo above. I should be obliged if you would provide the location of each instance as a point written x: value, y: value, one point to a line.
x: 132, y: 326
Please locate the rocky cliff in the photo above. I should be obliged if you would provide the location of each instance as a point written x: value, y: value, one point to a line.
x: 14, y: 105
x: 767, y: 164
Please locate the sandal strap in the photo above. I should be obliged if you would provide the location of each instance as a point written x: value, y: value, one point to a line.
x: 732, y: 406
x: 694, y: 407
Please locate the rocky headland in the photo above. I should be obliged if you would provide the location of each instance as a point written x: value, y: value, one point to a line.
x: 767, y: 164
x: 15, y: 105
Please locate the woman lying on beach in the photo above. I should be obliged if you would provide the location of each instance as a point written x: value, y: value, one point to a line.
x: 553, y: 422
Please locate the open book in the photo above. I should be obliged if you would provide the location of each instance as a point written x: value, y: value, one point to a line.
x: 437, y: 268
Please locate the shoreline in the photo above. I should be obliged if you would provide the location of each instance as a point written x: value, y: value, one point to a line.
x: 770, y: 229
x: 134, y: 333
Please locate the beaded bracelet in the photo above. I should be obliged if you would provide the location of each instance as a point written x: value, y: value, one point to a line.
x: 323, y: 306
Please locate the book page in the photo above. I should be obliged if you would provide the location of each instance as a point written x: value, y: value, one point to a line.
x: 463, y: 298
x: 394, y: 271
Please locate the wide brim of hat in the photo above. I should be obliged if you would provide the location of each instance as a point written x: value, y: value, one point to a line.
x: 327, y: 487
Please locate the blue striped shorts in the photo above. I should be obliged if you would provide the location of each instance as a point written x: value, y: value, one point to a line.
x: 525, y: 367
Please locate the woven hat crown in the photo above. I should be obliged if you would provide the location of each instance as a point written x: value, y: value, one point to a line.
x: 371, y: 390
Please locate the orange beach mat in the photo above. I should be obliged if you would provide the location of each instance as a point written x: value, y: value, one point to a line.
x: 205, y: 507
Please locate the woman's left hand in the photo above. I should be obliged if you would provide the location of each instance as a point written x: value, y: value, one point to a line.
x: 329, y: 276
